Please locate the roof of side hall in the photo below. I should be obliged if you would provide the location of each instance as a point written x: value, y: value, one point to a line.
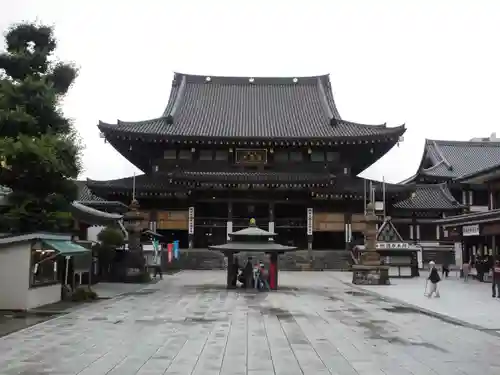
x: 259, y: 108
x: 431, y: 196
x: 454, y: 159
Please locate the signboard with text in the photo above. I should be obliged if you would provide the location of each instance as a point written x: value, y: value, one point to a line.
x: 191, y: 220
x: 310, y: 217
x: 470, y: 230
x: 392, y: 245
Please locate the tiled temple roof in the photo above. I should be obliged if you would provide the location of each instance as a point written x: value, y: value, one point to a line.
x: 87, y: 198
x: 166, y: 181
x: 486, y: 174
x: 321, y: 184
x: 471, y: 218
x: 430, y: 197
x: 254, y: 108
x: 454, y: 159
x: 251, y: 176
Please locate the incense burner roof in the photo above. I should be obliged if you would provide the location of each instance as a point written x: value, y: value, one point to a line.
x: 252, y: 239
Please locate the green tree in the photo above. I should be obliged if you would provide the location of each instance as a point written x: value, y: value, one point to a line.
x: 39, y: 147
x: 111, y: 237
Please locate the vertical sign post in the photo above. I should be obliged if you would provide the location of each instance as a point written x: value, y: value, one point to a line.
x: 191, y: 226
x: 310, y: 215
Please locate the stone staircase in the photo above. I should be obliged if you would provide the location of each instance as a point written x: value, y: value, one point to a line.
x: 203, y: 259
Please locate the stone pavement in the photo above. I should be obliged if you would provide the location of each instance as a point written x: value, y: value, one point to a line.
x: 111, y: 290
x: 189, y: 324
x: 469, y: 302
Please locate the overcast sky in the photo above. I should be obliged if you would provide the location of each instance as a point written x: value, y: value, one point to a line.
x: 432, y: 64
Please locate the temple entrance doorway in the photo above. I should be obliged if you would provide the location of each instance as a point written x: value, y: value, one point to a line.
x: 291, y: 224
x: 244, y: 211
x: 328, y: 241
x: 205, y: 236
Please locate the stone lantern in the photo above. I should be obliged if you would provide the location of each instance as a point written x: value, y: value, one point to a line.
x: 132, y: 221
x: 370, y: 271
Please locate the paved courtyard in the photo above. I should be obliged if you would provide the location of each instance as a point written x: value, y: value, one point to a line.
x: 469, y: 302
x: 189, y: 324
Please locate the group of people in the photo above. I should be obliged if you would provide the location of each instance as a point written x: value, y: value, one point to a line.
x: 250, y: 276
x: 482, y: 267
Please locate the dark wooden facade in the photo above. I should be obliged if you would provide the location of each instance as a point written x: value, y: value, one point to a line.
x: 275, y: 149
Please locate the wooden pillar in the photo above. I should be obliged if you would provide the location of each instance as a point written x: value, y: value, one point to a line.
x: 347, y: 229
x: 273, y: 271
x: 270, y: 227
x: 230, y: 261
x: 491, y: 200
x: 414, y: 225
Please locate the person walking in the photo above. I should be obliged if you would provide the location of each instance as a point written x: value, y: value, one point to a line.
x: 495, y: 283
x: 248, y: 274
x: 434, y: 280
x: 264, y: 277
x: 446, y: 269
x: 157, y: 266
x: 466, y: 270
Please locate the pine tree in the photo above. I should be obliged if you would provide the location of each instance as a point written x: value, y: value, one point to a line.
x: 39, y: 147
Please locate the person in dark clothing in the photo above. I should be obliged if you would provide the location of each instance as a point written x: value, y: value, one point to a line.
x: 434, y: 280
x: 234, y: 271
x: 248, y: 274
x: 446, y: 269
x: 480, y: 269
x: 495, y: 283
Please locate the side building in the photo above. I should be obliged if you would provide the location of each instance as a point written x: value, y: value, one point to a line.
x: 454, y: 165
x: 448, y: 161
x: 477, y: 234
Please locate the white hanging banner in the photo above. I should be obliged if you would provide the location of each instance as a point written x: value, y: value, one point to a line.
x: 458, y: 253
x: 191, y: 220
x: 229, y: 229
x: 271, y: 227
x: 310, y: 216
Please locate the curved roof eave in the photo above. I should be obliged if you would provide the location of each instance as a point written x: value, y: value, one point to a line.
x: 495, y: 169
x: 97, y: 213
x: 113, y: 129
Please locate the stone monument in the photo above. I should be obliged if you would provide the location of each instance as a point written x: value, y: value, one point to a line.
x: 370, y: 271
x: 132, y: 221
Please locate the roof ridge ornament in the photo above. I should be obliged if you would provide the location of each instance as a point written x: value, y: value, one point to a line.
x: 178, y: 98
x: 324, y: 102
x: 443, y: 159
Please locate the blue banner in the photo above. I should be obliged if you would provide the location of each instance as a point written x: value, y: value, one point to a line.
x: 176, y: 249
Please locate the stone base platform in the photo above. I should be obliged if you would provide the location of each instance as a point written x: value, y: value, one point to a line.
x: 370, y: 275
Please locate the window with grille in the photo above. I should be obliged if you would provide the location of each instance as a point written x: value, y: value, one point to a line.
x: 185, y: 155
x: 170, y: 154
x: 221, y: 155
x: 281, y: 156
x: 206, y: 155
x: 317, y: 156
